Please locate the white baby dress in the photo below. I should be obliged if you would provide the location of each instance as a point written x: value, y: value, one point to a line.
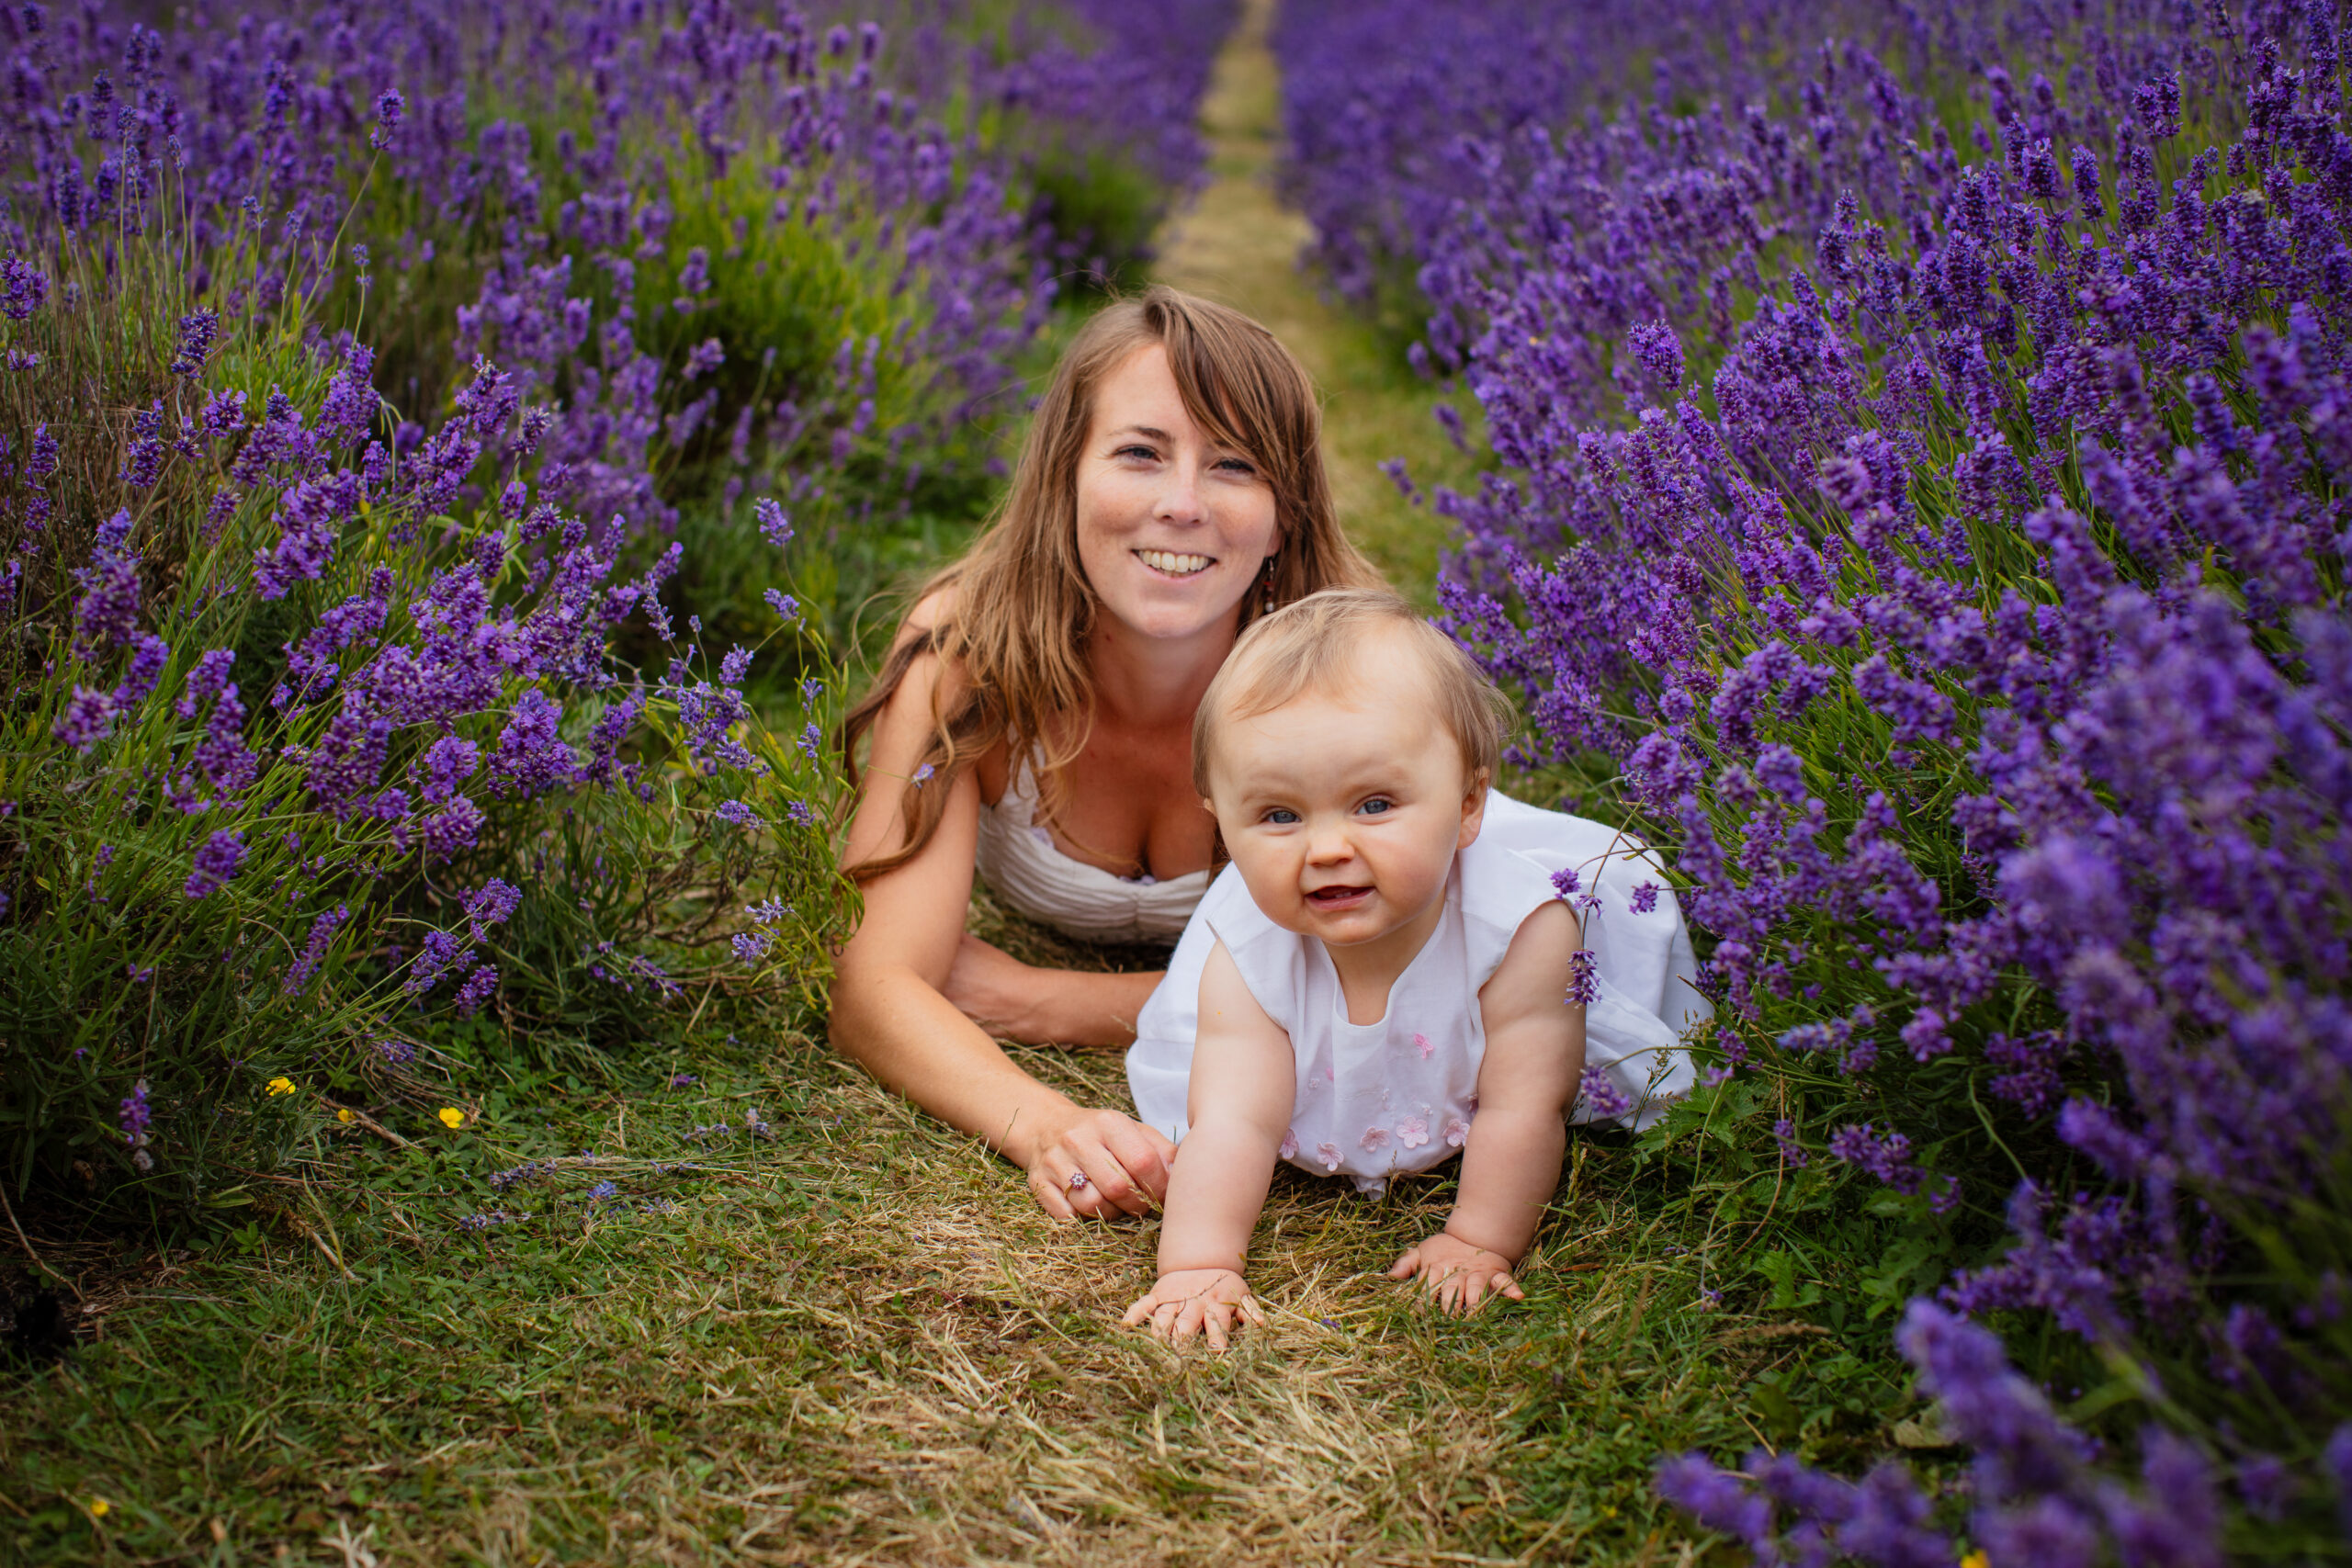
x: 1398, y: 1095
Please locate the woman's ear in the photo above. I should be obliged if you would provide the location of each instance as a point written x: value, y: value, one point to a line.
x: 1473, y: 811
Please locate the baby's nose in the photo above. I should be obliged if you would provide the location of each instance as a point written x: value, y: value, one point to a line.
x: 1327, y: 846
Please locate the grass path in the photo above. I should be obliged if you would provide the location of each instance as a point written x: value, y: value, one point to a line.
x: 841, y: 1334
x: 1239, y: 245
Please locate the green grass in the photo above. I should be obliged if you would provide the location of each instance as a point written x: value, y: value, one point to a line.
x: 858, y: 1339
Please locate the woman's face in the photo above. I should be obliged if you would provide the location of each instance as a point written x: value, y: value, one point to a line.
x: 1172, y: 527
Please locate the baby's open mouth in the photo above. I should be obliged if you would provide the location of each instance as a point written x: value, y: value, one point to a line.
x: 1175, y: 564
x: 1336, y: 897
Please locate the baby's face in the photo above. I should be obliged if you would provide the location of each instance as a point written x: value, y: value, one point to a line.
x: 1344, y: 810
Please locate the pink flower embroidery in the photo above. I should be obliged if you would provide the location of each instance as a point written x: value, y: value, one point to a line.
x: 1471, y: 1105
x: 1330, y: 1154
x: 1374, y: 1139
x: 1457, y: 1130
x: 1413, y: 1132
x: 1290, y: 1145
x: 1421, y: 1044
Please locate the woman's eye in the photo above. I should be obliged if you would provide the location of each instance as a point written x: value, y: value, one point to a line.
x: 1143, y: 452
x: 1241, y: 465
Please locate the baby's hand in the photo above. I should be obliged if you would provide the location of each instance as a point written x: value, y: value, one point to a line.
x: 1459, y: 1277
x: 1193, y: 1301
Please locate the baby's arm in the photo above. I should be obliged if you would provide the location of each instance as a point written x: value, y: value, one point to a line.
x: 1510, y: 1162
x: 1243, y: 1088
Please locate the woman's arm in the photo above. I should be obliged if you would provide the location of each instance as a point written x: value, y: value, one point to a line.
x: 1059, y: 1007
x: 890, y: 1012
x: 1244, y: 1087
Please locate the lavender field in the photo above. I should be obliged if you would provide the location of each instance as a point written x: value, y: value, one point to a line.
x: 1896, y: 456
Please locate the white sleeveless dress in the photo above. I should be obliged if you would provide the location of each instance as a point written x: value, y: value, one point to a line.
x: 1376, y: 1098
x: 1019, y: 862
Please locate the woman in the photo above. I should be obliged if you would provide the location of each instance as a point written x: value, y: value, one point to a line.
x: 1034, y: 722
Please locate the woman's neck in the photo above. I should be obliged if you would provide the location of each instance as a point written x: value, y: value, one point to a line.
x: 1144, y: 683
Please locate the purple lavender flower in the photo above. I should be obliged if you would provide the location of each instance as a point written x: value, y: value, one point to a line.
x: 389, y: 105
x: 1719, y: 1500
x: 136, y: 1114
x: 776, y: 528
x: 2337, y: 1460
x: 199, y: 330
x: 22, y: 289
x: 1606, y: 1100
x: 440, y: 953
x: 314, y: 951
x: 1784, y: 1133
x: 493, y: 903
x: 216, y: 860
x: 1584, y: 979
x: 87, y: 718
x: 1886, y: 1157
x: 476, y: 990
x: 108, y: 611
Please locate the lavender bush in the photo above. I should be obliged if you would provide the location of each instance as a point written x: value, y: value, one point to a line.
x: 1924, y: 449
x: 285, y: 751
x: 368, y: 379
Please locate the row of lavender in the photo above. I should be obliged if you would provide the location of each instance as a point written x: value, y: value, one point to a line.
x: 410, y: 419
x: 1924, y: 433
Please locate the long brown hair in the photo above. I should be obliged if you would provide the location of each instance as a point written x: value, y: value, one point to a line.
x: 1013, y: 648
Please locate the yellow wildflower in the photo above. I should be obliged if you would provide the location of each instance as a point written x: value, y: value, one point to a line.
x: 347, y: 1116
x: 452, y: 1118
x: 280, y: 1085
x: 1975, y: 1560
x: 98, y: 1506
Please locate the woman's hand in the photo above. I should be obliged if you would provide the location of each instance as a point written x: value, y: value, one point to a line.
x: 1457, y: 1277
x: 1194, y: 1300
x: 1124, y: 1165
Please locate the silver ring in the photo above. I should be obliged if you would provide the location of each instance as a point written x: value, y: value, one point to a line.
x: 1078, y: 1183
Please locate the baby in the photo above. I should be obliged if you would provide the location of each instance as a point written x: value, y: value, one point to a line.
x: 1398, y: 964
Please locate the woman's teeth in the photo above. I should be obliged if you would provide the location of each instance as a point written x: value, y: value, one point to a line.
x: 1173, y: 564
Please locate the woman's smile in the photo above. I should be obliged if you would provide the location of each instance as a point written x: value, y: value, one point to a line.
x: 1170, y: 563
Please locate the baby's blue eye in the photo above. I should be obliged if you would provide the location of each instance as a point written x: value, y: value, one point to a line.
x: 1281, y: 815
x: 1377, y: 804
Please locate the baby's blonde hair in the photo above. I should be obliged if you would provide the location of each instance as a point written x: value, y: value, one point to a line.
x: 1311, y: 645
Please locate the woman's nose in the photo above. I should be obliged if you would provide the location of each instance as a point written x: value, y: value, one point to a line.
x: 1180, y: 493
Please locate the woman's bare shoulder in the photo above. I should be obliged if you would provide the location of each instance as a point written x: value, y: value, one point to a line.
x: 927, y: 673
x: 931, y: 611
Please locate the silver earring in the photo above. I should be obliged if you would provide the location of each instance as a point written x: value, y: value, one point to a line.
x: 1266, y: 593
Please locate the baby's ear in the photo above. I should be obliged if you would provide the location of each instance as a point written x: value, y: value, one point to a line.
x: 1473, y: 811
